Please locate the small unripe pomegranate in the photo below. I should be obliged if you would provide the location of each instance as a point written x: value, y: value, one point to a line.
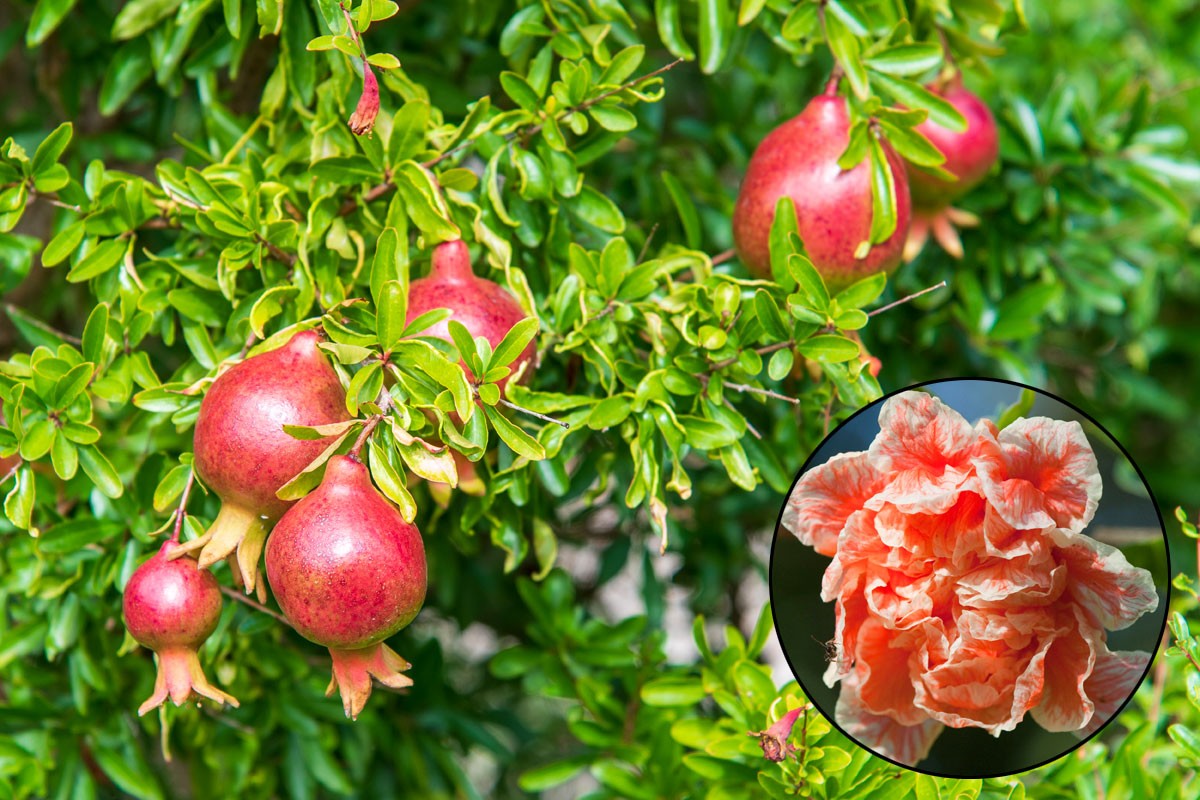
x: 244, y: 455
x: 172, y: 607
x: 483, y: 307
x: 348, y: 572
x: 833, y: 206
x: 969, y: 156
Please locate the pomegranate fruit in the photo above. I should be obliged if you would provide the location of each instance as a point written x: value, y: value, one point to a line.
x: 244, y: 455
x: 483, y: 307
x: 348, y: 572
x: 172, y: 607
x: 969, y: 156
x: 833, y: 206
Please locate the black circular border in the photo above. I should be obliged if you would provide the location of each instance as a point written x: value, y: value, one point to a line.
x: 1149, y: 491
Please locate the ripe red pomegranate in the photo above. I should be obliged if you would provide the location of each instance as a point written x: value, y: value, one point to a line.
x: 482, y: 306
x: 172, y: 607
x: 969, y: 156
x: 833, y: 206
x: 243, y: 453
x: 348, y: 572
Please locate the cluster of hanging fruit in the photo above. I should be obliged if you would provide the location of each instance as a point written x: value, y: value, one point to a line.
x: 799, y: 159
x: 345, y: 568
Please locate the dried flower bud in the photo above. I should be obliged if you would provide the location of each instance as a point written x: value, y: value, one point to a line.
x: 363, y: 119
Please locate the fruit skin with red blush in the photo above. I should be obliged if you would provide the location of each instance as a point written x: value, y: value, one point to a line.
x: 969, y: 154
x: 348, y: 572
x: 833, y: 206
x: 243, y: 453
x: 172, y: 607
x: 483, y: 307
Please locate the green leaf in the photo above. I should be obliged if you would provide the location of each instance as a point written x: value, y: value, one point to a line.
x: 521, y: 442
x: 75, y: 534
x: 1019, y: 315
x: 47, y: 15
x: 97, y: 467
x: 171, y: 487
x: 269, y: 306
x: 670, y: 30
x: 846, y: 49
x: 51, y: 148
x: 784, y: 232
x: 862, y: 292
x: 810, y: 281
x: 63, y: 244
x: 609, y: 412
x: 100, y: 260
x: 95, y: 334
x: 884, y: 215
x: 829, y: 349
x: 517, y: 88
x: 423, y: 200
x: 514, y: 342
x: 69, y: 386
x: 384, y: 61
x: 130, y: 773
x: 912, y: 145
x: 673, y: 692
x: 623, y: 64
x: 539, y: 779
x: 21, y: 640
x: 1018, y: 409
x: 423, y: 356
x: 545, y: 548
x: 18, y: 504
x: 914, y: 95
x: 613, y: 118
x: 37, y: 439
x: 389, y: 481
x: 390, y: 313
x: 906, y: 59
x: 140, y: 15
x: 717, y: 25
x: 688, y: 216
x: 597, y: 210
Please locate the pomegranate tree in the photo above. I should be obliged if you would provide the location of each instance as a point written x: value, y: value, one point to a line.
x: 969, y: 154
x: 172, y: 607
x: 243, y: 453
x: 348, y: 572
x: 799, y: 159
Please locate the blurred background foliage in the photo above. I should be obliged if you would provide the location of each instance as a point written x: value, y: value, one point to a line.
x: 550, y: 656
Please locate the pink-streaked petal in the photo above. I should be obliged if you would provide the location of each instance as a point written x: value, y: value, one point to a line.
x: 906, y: 744
x: 1065, y: 703
x: 1103, y: 581
x: 1048, y: 476
x: 901, y: 602
x: 850, y: 613
x: 885, y: 684
x: 858, y: 546
x: 1002, y: 540
x: 826, y: 496
x: 918, y: 431
x: 1115, y: 677
x: 983, y: 685
x: 918, y: 491
x: 955, y: 534
x: 1021, y: 581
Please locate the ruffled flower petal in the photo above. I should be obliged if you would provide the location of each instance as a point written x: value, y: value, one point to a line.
x: 1104, y: 582
x: 1065, y: 703
x: 1047, y: 475
x: 826, y: 496
x: 906, y: 744
x: 1114, y: 678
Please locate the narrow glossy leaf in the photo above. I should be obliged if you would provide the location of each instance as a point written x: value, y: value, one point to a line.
x: 514, y: 342
x: 63, y: 244
x: 37, y: 439
x: 521, y: 442
x: 139, y: 15
x: 906, y: 59
x: 688, y: 216
x: 913, y: 95
x: 767, y: 312
x: 310, y: 476
x: 846, y: 49
x: 47, y: 15
x: 784, y: 233
x: 18, y: 503
x: 883, y: 195
x: 390, y: 482
x: 862, y: 293
x: 51, y: 148
x: 670, y: 29
x: 390, y: 313
x: 597, y: 210
x: 912, y: 145
x: 95, y: 334
x: 100, y: 260
x: 100, y: 470
x: 517, y: 88
x: 809, y: 281
x: 829, y: 348
x: 716, y: 30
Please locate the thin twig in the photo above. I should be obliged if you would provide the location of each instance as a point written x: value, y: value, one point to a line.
x: 646, y: 244
x: 762, y: 351
x: 906, y: 299
x: 229, y: 591
x: 279, y: 255
x: 385, y: 403
x: 722, y: 257
x: 181, y: 510
x: 532, y: 413
x: 741, y: 387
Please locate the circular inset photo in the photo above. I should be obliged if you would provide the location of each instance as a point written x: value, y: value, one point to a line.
x: 969, y: 578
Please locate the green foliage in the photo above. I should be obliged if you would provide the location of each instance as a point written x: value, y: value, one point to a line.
x: 179, y: 189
